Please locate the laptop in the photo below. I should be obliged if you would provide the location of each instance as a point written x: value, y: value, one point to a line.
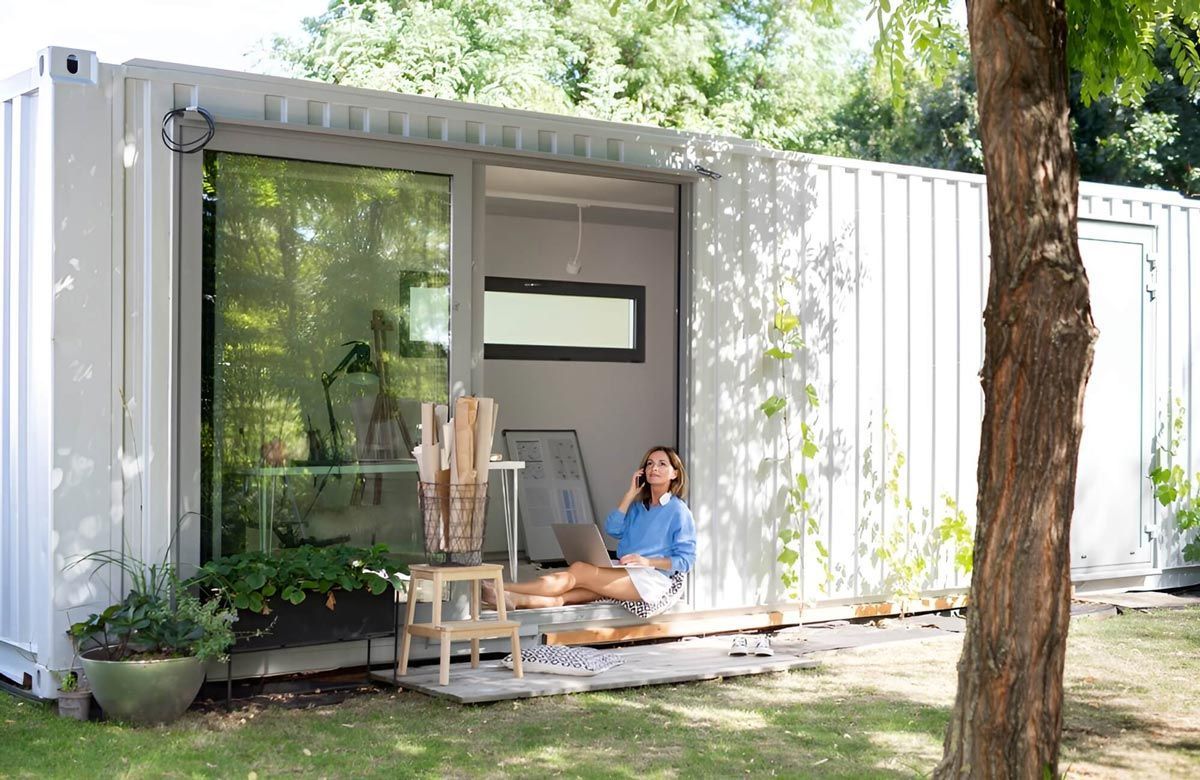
x: 582, y: 542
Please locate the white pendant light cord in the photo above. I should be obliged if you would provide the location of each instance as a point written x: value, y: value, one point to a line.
x: 574, y: 267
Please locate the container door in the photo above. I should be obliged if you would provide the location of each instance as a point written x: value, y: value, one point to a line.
x: 1112, y: 498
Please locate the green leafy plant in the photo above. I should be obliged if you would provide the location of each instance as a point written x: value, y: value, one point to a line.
x: 250, y: 580
x: 908, y: 550
x: 1173, y: 488
x: 957, y: 530
x: 801, y: 526
x: 69, y: 682
x: 159, y: 617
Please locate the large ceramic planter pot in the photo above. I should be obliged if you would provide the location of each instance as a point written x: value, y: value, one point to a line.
x: 143, y: 692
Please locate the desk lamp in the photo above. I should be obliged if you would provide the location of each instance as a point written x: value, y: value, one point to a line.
x: 358, y: 369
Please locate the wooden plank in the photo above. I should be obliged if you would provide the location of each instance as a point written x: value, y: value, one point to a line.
x: 665, y: 629
x: 465, y: 629
x: 719, y: 621
x: 883, y: 608
x: 455, y: 573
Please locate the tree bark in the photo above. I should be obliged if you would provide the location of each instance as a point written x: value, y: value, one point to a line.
x: 1007, y: 717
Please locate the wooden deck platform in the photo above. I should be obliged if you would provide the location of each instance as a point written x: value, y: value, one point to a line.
x: 596, y: 629
x: 699, y: 659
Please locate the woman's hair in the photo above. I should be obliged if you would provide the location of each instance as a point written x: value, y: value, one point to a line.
x: 679, y: 485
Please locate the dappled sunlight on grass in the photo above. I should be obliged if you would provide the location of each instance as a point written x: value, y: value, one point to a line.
x: 403, y: 748
x: 723, y: 718
x: 919, y: 751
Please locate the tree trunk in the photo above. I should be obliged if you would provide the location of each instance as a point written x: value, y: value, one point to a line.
x: 1007, y: 717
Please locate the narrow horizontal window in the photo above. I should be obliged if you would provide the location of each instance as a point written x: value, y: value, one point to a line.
x: 535, y: 319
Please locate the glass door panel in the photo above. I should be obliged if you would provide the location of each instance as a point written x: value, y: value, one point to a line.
x: 326, y: 321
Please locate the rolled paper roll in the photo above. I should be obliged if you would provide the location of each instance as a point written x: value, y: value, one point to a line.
x: 484, y: 423
x: 465, y: 411
x: 448, y: 444
x: 428, y: 431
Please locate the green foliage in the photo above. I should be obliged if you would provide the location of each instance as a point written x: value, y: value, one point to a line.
x: 956, y: 529
x: 936, y: 126
x: 69, y: 682
x: 908, y: 546
x: 1113, y: 46
x: 157, y: 618
x: 764, y: 69
x: 800, y: 529
x: 1172, y: 487
x: 1153, y: 144
x: 918, y: 39
x: 250, y: 580
x: 1133, y: 94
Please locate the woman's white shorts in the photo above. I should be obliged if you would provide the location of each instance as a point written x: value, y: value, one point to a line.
x: 652, y: 584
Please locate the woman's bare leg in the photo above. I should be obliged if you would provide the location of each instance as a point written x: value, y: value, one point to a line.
x: 580, y: 583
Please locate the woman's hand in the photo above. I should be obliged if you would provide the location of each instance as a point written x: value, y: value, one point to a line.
x: 633, y: 559
x: 635, y: 489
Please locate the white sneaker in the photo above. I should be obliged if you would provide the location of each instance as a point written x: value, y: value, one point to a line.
x: 740, y: 646
x: 762, y: 646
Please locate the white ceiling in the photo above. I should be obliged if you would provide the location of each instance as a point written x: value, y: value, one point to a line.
x: 575, y: 187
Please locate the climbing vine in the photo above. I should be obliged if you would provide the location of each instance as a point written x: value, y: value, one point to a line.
x: 1173, y: 488
x: 800, y: 524
x: 907, y: 548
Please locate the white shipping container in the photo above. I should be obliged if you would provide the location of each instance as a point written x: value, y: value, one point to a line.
x: 105, y: 330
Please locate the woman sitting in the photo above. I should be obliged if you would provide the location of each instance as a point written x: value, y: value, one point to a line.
x: 656, y: 538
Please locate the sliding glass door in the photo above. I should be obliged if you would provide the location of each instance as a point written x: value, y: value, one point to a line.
x: 324, y: 319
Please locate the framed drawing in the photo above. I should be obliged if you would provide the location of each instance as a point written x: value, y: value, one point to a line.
x: 553, y: 487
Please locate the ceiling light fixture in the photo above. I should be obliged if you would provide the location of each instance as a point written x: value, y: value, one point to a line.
x: 574, y: 266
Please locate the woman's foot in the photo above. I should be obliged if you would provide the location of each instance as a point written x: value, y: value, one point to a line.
x: 487, y: 594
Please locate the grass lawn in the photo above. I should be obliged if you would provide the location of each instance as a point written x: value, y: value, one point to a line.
x: 1132, y: 710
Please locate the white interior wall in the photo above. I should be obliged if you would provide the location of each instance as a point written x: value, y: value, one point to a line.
x: 618, y: 409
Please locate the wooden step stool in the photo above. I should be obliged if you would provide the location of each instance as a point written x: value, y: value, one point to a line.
x: 448, y: 631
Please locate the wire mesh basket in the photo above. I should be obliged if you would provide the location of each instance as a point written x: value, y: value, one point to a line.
x: 454, y: 518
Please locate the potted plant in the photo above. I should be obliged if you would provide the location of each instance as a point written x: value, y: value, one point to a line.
x: 348, y: 586
x: 74, y: 696
x: 145, y: 655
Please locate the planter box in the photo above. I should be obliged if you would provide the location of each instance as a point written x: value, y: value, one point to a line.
x: 357, y: 615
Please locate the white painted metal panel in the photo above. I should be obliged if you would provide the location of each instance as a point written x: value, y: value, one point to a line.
x: 944, y: 402
x: 868, y: 445
x: 1111, y: 491
x: 25, y: 597
x: 77, y: 397
x: 839, y: 393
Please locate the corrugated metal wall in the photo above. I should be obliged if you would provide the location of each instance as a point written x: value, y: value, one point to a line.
x: 889, y: 287
x: 17, y: 142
